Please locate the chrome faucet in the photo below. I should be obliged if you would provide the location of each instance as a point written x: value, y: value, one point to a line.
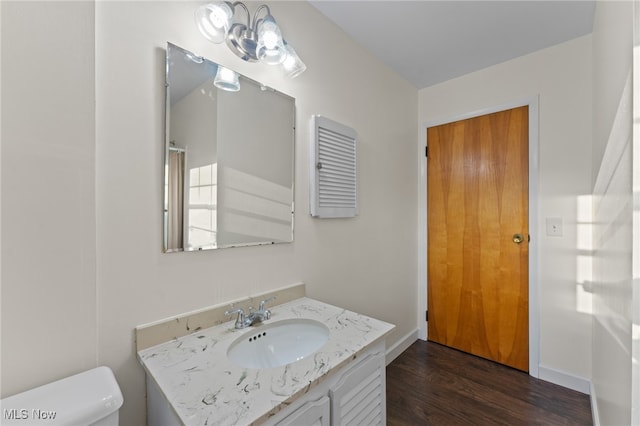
x: 261, y: 314
x: 243, y: 320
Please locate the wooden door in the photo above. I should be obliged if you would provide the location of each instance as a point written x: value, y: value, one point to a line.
x: 477, y: 184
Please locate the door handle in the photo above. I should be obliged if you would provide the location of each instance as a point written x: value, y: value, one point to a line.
x: 517, y: 238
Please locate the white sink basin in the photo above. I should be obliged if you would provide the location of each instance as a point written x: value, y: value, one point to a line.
x: 274, y: 344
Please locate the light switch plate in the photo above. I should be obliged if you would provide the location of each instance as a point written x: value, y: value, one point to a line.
x: 554, y: 226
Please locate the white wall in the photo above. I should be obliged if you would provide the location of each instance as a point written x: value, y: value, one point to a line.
x: 193, y: 125
x: 48, y: 210
x: 613, y: 208
x: 561, y: 76
x: 255, y: 173
x: 612, y: 44
x: 367, y: 264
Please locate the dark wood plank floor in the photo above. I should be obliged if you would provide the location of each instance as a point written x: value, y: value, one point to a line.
x: 430, y: 384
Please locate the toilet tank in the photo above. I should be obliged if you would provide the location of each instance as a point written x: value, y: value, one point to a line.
x: 92, y: 398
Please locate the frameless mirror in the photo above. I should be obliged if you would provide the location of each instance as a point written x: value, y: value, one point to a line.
x: 229, y: 155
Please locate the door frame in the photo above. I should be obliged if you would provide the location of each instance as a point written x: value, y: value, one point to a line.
x: 534, y: 169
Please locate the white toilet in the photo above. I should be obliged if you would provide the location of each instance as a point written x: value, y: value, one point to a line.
x: 91, y: 398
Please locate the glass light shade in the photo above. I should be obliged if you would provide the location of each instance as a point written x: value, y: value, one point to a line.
x: 214, y: 20
x: 270, y: 48
x: 226, y: 79
x: 292, y: 64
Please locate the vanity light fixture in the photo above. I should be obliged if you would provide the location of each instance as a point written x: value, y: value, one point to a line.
x: 261, y: 41
x: 226, y: 79
x: 292, y: 64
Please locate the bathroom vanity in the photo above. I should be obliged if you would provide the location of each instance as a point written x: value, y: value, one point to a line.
x: 261, y: 375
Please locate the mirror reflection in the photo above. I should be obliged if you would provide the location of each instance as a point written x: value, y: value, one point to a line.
x: 229, y: 153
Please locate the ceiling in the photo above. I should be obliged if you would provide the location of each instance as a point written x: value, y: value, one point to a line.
x: 429, y: 41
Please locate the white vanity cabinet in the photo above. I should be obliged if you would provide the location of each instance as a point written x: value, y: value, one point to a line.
x: 355, y: 395
x: 192, y: 380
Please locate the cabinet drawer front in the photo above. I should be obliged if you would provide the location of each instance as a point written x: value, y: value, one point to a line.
x: 312, y: 413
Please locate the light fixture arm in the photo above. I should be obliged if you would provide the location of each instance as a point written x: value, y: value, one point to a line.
x: 246, y: 9
x: 256, y: 22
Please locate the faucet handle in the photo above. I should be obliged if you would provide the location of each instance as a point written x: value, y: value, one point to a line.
x: 234, y: 311
x: 239, y: 319
x: 261, y: 308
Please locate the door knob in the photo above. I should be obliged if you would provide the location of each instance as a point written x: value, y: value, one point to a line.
x: 517, y: 238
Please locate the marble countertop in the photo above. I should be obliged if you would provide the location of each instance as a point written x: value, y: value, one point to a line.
x: 204, y: 387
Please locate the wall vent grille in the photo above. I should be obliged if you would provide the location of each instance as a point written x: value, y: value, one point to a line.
x: 333, y: 169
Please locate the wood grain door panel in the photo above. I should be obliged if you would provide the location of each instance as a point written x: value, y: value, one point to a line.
x: 477, y: 183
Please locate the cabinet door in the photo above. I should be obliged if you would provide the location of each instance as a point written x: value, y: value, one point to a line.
x: 359, y: 397
x: 312, y: 413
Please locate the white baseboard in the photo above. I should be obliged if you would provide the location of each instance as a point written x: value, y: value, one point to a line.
x: 401, y: 345
x: 594, y: 406
x: 564, y: 379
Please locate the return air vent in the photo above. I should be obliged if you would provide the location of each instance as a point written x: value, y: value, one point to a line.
x: 333, y: 169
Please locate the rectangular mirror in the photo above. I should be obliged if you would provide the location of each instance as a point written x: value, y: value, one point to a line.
x: 229, y: 158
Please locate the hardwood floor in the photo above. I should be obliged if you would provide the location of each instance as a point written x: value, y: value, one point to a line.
x: 430, y: 384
